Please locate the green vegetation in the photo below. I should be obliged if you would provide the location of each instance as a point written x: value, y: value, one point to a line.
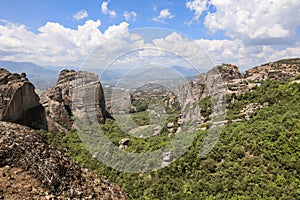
x: 206, y: 108
x: 255, y: 159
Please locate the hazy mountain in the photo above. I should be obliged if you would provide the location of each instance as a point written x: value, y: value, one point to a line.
x: 165, y: 76
x: 41, y: 77
x: 184, y: 71
x: 32, y: 70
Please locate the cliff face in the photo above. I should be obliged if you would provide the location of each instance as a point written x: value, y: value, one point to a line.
x: 236, y: 82
x: 77, y: 94
x: 226, y: 79
x: 205, y: 84
x: 18, y: 101
x: 31, y: 169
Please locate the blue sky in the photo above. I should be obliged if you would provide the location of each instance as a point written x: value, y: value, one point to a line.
x: 35, y: 13
x: 245, y: 33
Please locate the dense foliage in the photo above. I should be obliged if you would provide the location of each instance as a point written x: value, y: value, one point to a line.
x: 254, y: 159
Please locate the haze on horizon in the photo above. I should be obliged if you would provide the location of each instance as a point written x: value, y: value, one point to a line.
x: 64, y: 33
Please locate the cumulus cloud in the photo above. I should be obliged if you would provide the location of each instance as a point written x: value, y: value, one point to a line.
x: 245, y: 56
x: 105, y: 10
x: 80, y: 15
x: 256, y: 22
x: 164, y: 15
x: 54, y: 44
x: 198, y: 7
x: 130, y: 15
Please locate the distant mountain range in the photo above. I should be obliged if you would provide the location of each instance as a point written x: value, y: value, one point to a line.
x: 41, y: 77
x: 32, y: 70
x: 44, y: 77
x: 186, y: 72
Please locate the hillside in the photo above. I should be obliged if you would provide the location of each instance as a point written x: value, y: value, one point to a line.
x: 31, y: 169
x: 256, y: 156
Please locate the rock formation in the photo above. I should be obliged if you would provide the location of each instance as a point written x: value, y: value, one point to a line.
x: 32, y: 169
x: 18, y: 101
x: 76, y: 94
x: 285, y: 69
x: 227, y: 79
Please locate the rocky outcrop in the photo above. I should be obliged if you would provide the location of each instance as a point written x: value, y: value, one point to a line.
x: 76, y: 94
x: 36, y: 170
x: 285, y: 69
x: 18, y: 101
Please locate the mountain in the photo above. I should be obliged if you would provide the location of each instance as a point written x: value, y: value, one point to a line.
x: 253, y: 156
x: 186, y: 72
x: 158, y: 75
x: 32, y: 70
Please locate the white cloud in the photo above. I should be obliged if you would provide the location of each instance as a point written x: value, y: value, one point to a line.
x: 130, y: 15
x: 116, y: 30
x: 164, y: 15
x: 245, y: 56
x: 105, y: 10
x: 54, y: 44
x: 80, y: 15
x: 256, y: 22
x: 198, y: 7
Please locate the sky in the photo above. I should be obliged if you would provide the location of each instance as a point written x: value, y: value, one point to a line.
x: 66, y: 32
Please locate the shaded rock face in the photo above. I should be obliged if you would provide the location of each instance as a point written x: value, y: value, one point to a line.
x: 205, y: 84
x: 228, y: 72
x: 77, y: 94
x: 43, y: 171
x: 18, y: 101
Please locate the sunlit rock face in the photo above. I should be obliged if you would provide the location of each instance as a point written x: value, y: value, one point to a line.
x: 76, y: 94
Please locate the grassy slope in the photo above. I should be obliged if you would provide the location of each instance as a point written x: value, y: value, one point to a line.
x: 256, y: 159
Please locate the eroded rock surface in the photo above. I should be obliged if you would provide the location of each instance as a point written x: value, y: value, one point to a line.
x: 18, y: 101
x: 76, y: 94
x: 44, y: 172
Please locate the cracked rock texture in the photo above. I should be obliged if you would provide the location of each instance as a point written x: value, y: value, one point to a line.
x: 76, y: 94
x: 18, y: 101
x: 32, y: 169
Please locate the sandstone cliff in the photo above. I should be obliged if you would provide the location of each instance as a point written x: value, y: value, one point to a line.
x: 18, y: 101
x: 76, y: 94
x: 31, y: 169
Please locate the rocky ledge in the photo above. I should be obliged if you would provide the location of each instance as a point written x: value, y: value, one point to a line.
x: 32, y: 169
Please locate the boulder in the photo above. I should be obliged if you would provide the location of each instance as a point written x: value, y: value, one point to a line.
x: 123, y: 143
x: 76, y: 94
x: 18, y: 101
x: 167, y: 159
x: 157, y: 130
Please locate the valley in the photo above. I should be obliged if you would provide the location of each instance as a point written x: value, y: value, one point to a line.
x: 220, y: 135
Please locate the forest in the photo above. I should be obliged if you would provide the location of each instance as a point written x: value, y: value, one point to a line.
x: 256, y: 158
